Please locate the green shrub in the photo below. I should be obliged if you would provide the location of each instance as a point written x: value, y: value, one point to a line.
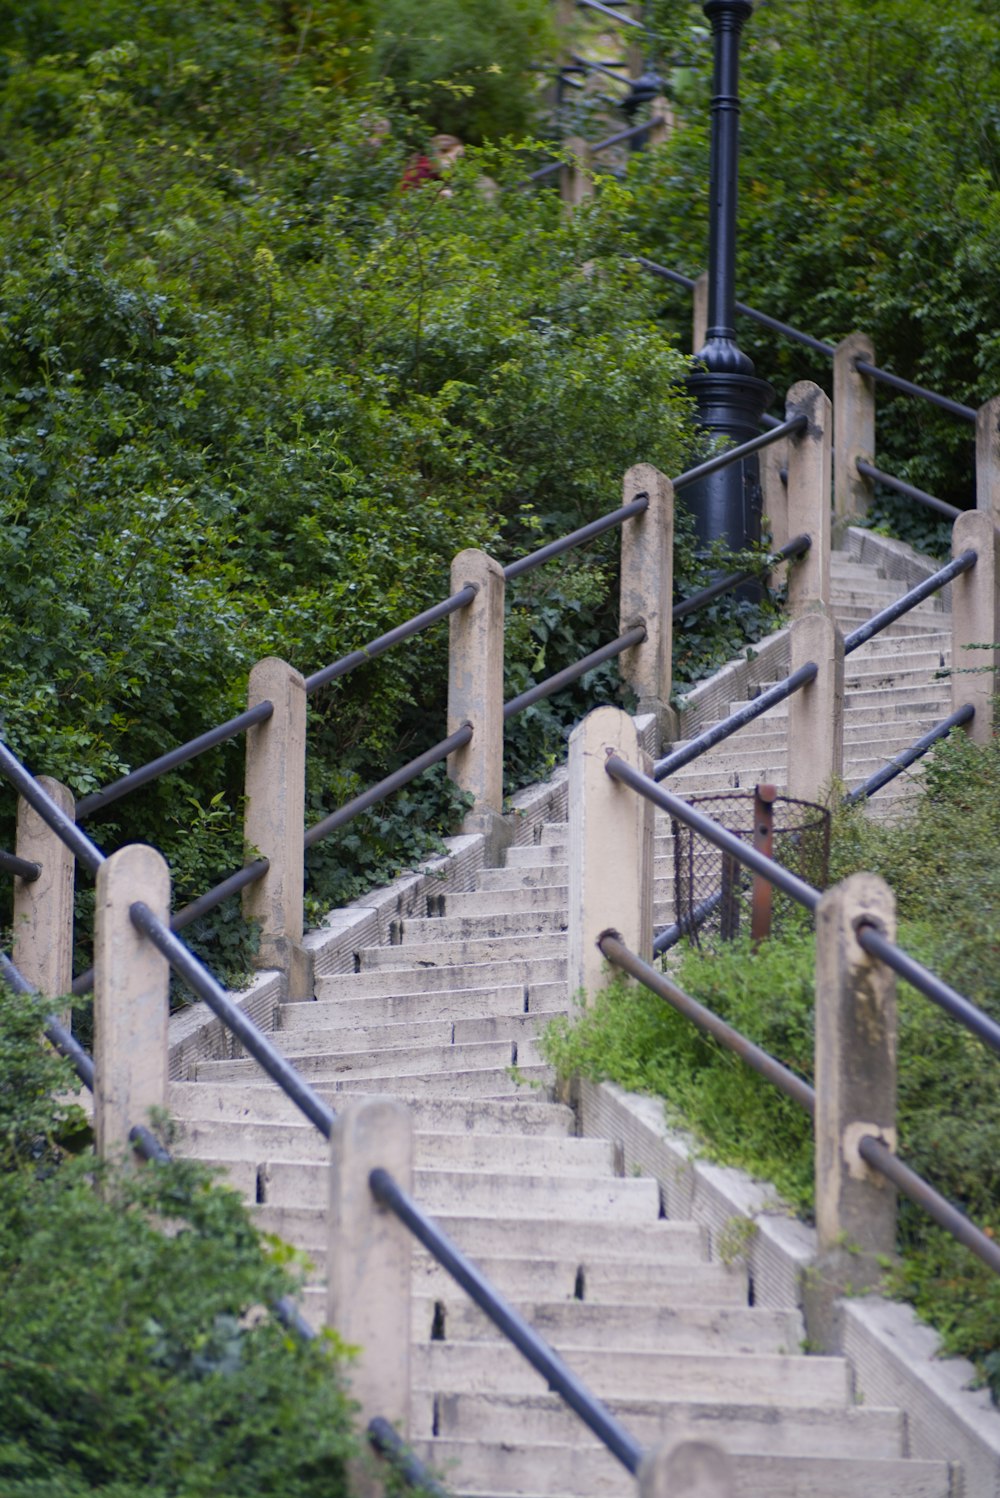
x: 135, y: 1353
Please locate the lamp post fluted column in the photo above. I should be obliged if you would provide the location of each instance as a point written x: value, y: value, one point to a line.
x: 731, y: 399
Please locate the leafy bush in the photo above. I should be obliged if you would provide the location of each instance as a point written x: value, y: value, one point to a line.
x: 942, y: 863
x: 135, y: 1351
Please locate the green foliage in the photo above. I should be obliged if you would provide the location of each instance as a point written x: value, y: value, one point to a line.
x: 135, y: 1352
x: 869, y: 199
x: 942, y: 865
x: 466, y: 68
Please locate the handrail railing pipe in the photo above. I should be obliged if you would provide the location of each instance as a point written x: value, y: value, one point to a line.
x: 612, y: 14
x: 560, y: 1378
x: 907, y: 757
x: 909, y: 491
x: 907, y: 387
x: 712, y: 465
x: 576, y: 538
x: 87, y: 806
x: 392, y: 637
x: 569, y: 674
x: 388, y: 786
x: 877, y: 1154
x: 893, y: 611
x: 21, y: 868
x: 872, y: 941
x: 253, y: 1040
x: 797, y: 547
x: 27, y: 786
x: 782, y: 690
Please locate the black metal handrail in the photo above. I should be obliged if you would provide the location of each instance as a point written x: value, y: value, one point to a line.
x: 386, y: 1442
x: 728, y: 726
x: 21, y: 868
x: 614, y: 15
x: 797, y: 547
x: 582, y: 534
x: 569, y: 674
x: 671, y: 935
x: 388, y: 1193
x: 786, y: 329
x: 909, y: 491
x: 632, y: 133
x: 98, y: 800
x: 55, y: 1031
x: 396, y: 636
x: 232, y: 885
x: 870, y: 940
x: 907, y: 387
x: 388, y: 786
x: 65, y: 828
x: 786, y: 428
x: 872, y: 1150
x: 907, y: 757
x: 908, y: 601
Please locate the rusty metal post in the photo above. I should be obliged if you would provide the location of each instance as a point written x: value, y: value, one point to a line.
x: 763, y: 841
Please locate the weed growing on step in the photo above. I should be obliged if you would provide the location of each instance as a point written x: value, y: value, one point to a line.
x: 943, y: 862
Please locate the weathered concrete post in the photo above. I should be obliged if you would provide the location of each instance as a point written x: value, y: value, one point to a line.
x: 575, y: 181
x: 131, y: 997
x: 774, y: 462
x: 699, y: 313
x: 274, y: 820
x: 816, y: 711
x: 687, y: 1469
x: 610, y: 848
x: 475, y: 695
x: 855, y: 1096
x: 647, y: 595
x: 988, y: 459
x: 369, y: 1255
x: 661, y: 122
x: 808, y: 499
x: 43, y: 907
x: 975, y: 621
x: 853, y: 429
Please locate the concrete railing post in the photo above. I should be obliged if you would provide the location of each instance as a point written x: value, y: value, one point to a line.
x: 42, y: 945
x: 855, y: 1096
x: 475, y: 694
x: 853, y: 429
x: 661, y: 121
x: 274, y: 820
x: 131, y: 997
x: 575, y: 181
x: 369, y: 1255
x: 687, y: 1469
x: 610, y: 848
x: 774, y: 461
x: 988, y: 459
x: 816, y: 711
x: 647, y: 595
x: 975, y: 622
x: 699, y: 313
x: 808, y: 498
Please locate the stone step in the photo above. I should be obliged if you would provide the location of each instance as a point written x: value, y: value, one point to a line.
x: 521, y: 876
x: 259, y: 1101
x: 383, y: 983
x: 626, y: 1263
x: 401, y: 1008
x: 531, y: 855
x: 525, y: 898
x: 795, y: 1381
x: 477, y: 1082
x: 586, y: 1469
x: 637, y: 1328
x: 477, y: 926
x: 866, y: 1432
x: 379, y: 1063
x: 253, y: 1141
x: 438, y: 954
x: 504, y: 1196
x: 424, y: 1032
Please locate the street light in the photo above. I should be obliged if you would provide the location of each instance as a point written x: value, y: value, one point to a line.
x: 731, y: 399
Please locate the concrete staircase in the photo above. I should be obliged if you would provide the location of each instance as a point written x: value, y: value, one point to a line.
x: 445, y: 1015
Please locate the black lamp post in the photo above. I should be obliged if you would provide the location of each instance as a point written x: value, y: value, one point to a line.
x: 731, y: 400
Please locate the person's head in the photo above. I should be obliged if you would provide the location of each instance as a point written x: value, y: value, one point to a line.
x: 445, y: 150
